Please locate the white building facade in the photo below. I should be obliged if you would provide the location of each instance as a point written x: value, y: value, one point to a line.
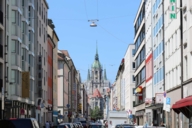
x: 41, y: 25
x: 172, y: 59
x: 139, y: 41
x: 20, y: 77
x: 128, y: 76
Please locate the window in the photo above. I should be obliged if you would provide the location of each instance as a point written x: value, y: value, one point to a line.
x: 143, y: 74
x: 13, y: 16
x: 15, y: 76
x: 186, y: 65
x: 15, y: 46
x: 133, y: 78
x: 133, y: 90
x: 39, y: 28
x: 133, y: 52
x: 133, y: 65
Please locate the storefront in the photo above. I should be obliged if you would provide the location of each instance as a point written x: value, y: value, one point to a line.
x: 139, y: 116
x: 55, y: 117
x: 184, y: 106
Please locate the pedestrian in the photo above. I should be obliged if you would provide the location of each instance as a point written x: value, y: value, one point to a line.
x: 146, y: 124
x: 50, y: 124
x: 152, y: 123
x: 47, y: 125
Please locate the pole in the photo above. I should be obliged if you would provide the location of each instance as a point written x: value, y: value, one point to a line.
x: 181, y: 28
x: 68, y: 95
x: 4, y: 87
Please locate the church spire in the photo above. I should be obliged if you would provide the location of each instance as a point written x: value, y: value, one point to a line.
x: 88, y: 75
x: 105, y: 74
x: 97, y: 55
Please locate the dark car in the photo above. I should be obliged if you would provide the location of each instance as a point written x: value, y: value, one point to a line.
x: 125, y: 126
x: 190, y: 125
x: 84, y: 123
x: 19, y: 123
x: 63, y: 125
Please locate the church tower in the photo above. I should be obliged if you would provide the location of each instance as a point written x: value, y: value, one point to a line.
x: 97, y: 83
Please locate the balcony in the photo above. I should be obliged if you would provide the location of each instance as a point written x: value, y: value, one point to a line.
x: 16, y: 89
x: 15, y: 60
x: 1, y: 17
x: 1, y: 84
x: 1, y: 50
x: 16, y: 30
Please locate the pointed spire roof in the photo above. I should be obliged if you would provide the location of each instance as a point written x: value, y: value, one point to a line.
x: 96, y: 93
x: 96, y: 63
x: 96, y: 55
x: 88, y: 75
x: 105, y: 74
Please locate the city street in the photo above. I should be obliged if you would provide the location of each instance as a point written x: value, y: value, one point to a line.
x: 95, y: 64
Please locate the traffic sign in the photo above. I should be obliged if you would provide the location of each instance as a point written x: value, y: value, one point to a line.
x: 168, y: 101
x: 68, y: 105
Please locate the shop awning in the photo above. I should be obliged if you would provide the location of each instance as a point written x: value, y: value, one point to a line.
x: 184, y: 105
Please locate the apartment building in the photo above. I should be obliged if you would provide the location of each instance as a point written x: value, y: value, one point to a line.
x: 3, y: 56
x: 119, y: 87
x: 187, y: 55
x: 63, y: 86
x: 179, y: 44
x: 66, y: 81
x: 172, y: 54
x: 114, y: 96
x: 20, y: 55
x: 148, y: 61
x: 139, y: 41
x: 52, y: 71
x: 41, y: 59
x: 129, y: 80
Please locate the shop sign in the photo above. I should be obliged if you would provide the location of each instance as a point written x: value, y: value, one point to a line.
x: 159, y: 98
x: 173, y: 9
x: 148, y: 100
x: 140, y: 113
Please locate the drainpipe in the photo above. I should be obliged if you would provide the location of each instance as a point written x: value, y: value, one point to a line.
x: 181, y: 28
x: 5, y: 90
x: 63, y: 85
x: 52, y: 82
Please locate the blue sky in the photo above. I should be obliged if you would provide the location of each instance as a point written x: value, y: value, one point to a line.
x: 114, y: 31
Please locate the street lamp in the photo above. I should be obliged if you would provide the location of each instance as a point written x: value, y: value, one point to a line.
x: 93, y: 23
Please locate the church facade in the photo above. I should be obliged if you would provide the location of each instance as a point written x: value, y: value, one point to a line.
x: 97, y: 84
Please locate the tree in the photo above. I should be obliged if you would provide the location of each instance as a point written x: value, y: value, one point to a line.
x: 96, y: 113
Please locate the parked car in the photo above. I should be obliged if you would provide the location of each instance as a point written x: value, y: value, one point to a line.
x: 63, y: 125
x: 19, y: 123
x: 125, y: 126
x: 95, y: 125
x: 84, y: 124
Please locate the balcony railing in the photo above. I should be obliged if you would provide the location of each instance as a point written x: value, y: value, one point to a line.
x: 15, y: 59
x: 1, y: 84
x: 23, y: 65
x: 1, y: 17
x: 1, y: 50
x: 16, y: 30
